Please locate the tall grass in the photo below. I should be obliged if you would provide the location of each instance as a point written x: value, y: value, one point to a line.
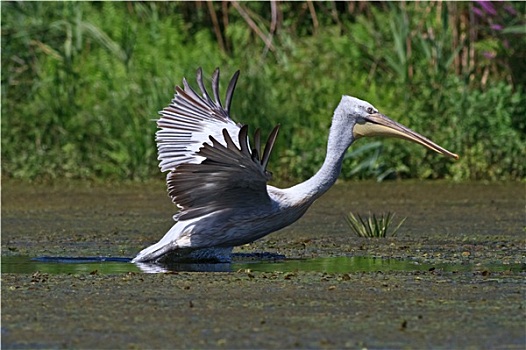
x: 82, y: 81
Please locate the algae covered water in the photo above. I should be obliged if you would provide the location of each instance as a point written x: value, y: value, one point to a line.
x: 341, y: 264
x: 453, y: 277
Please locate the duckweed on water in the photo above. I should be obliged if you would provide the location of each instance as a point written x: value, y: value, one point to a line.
x: 324, y: 294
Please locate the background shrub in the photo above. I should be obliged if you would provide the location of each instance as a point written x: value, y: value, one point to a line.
x: 82, y: 82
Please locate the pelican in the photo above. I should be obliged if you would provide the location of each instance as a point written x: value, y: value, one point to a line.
x: 218, y: 180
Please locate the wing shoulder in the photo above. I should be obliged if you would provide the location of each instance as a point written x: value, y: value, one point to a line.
x: 210, y: 162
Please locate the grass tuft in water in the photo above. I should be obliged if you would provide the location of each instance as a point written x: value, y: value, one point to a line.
x: 373, y: 226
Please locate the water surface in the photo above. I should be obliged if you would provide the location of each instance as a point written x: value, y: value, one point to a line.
x: 341, y: 264
x: 453, y: 277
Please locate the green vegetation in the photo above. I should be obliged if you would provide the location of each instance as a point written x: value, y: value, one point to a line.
x: 82, y: 81
x: 372, y: 226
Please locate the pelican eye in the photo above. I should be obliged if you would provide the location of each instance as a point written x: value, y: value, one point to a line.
x: 370, y: 110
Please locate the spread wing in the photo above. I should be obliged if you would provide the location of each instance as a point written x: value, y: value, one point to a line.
x: 190, y: 120
x: 212, y: 166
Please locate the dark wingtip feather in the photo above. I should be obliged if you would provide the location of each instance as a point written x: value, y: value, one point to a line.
x: 268, y: 147
x: 230, y: 91
x: 199, y: 78
x: 215, y: 87
x: 229, y: 143
x: 243, y: 139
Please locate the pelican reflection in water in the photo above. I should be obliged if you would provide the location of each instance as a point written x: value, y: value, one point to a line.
x: 218, y: 180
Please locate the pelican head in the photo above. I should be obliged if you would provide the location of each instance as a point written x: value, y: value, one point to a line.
x: 367, y: 121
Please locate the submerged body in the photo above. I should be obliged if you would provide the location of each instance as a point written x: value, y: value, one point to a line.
x: 219, y: 181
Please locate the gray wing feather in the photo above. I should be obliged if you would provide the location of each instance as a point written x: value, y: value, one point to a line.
x: 188, y: 122
x: 228, y: 178
x: 212, y: 166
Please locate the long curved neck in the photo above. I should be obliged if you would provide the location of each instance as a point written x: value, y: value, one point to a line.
x: 313, y: 188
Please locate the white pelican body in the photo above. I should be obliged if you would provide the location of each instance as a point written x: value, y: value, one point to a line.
x: 219, y: 181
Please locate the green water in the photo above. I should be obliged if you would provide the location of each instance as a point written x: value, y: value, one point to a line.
x: 342, y: 264
x: 349, y: 292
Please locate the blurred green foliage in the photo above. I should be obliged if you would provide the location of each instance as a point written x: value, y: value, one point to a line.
x: 82, y: 82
